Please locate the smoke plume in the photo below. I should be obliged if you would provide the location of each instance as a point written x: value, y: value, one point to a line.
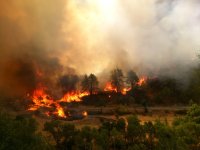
x: 41, y: 40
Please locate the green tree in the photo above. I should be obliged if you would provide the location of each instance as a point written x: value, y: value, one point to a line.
x: 85, y: 140
x: 55, y: 129
x: 20, y: 133
x: 165, y: 137
x: 64, y: 135
x: 193, y: 89
x: 121, y: 125
x: 149, y: 129
x: 187, y: 128
x: 135, y: 131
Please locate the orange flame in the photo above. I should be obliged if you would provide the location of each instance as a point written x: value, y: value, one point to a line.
x: 109, y: 87
x: 60, y: 112
x: 73, y: 96
x: 85, y: 114
x: 41, y: 99
x: 125, y: 90
x: 142, y: 81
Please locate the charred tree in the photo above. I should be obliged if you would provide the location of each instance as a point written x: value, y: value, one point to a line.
x: 90, y: 83
x: 117, y: 79
x: 93, y: 83
x: 132, y: 78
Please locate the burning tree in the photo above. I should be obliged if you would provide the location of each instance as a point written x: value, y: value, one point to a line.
x: 132, y: 78
x: 117, y: 79
x: 93, y: 83
x: 90, y: 83
x: 85, y: 83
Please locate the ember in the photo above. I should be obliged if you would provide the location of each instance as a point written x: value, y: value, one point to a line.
x: 85, y: 113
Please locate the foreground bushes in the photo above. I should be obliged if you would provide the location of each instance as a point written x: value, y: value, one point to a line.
x: 183, y: 134
x: 123, y: 134
x: 20, y: 134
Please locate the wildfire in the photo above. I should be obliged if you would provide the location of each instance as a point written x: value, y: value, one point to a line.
x: 60, y: 112
x: 41, y: 99
x: 110, y: 87
x: 142, y: 81
x: 73, y: 96
x: 125, y: 90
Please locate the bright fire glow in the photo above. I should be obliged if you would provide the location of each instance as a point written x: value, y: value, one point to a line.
x: 125, y: 90
x: 60, y: 112
x: 73, y: 96
x: 41, y: 99
x: 110, y: 87
x: 142, y: 81
x: 85, y: 113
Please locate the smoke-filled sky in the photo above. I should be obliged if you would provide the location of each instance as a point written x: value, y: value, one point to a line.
x: 47, y: 37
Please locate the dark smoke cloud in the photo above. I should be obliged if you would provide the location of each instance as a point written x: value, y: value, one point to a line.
x: 68, y: 83
x: 30, y: 33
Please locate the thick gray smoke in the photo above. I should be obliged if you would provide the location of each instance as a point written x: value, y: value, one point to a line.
x: 152, y: 37
x: 41, y: 40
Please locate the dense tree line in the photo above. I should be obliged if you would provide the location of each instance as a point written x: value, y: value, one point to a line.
x: 158, y: 90
x: 21, y: 133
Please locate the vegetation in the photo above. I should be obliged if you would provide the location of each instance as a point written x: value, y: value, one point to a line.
x: 122, y: 134
x: 20, y: 133
x: 162, y: 90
